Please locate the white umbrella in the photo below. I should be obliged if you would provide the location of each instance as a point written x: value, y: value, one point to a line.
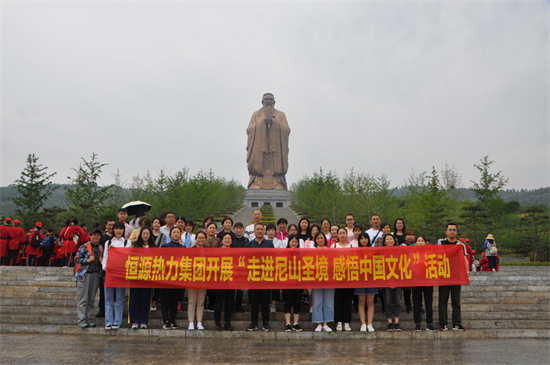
x: 136, y: 207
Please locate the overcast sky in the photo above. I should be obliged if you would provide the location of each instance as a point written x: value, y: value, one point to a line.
x: 380, y: 87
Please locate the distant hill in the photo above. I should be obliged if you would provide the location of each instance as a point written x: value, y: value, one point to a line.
x: 525, y: 197
x: 7, y: 207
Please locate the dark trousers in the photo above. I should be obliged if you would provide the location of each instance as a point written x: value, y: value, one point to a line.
x: 67, y: 260
x: 428, y: 292
x: 239, y: 299
x: 45, y: 259
x: 392, y: 299
x: 169, y: 298
x: 224, y: 295
x: 102, y: 293
x: 407, y: 297
x: 32, y: 260
x: 12, y: 257
x: 140, y: 304
x: 444, y: 292
x: 293, y: 300
x: 492, y: 262
x: 259, y: 297
x: 156, y: 295
x: 342, y: 305
x: 211, y: 294
x: 276, y: 295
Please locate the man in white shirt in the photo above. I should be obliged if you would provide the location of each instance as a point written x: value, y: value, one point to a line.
x: 170, y: 222
x: 375, y: 231
x: 249, y: 230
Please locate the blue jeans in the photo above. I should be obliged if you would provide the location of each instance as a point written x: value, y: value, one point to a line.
x: 323, y: 305
x: 118, y: 305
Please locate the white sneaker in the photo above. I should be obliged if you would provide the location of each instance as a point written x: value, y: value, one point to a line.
x: 310, y: 309
x: 339, y: 326
x: 200, y: 327
x: 272, y: 308
x: 326, y: 328
x: 363, y: 328
x: 370, y: 328
x: 191, y: 327
x: 347, y: 327
x: 319, y: 328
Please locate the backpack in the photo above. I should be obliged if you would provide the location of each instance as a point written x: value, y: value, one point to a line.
x: 46, y: 242
x: 90, y: 253
x: 36, y: 241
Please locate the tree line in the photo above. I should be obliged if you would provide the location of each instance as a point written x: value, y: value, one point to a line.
x: 193, y: 196
x: 431, y: 200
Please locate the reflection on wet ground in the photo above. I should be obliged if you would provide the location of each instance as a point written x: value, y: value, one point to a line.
x: 59, y: 349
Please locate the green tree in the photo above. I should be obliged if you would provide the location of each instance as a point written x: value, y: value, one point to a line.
x: 487, y: 189
x: 534, y: 229
x: 428, y: 204
x: 86, y: 198
x: 34, y: 188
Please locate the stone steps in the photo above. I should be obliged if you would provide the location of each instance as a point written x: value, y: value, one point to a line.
x: 53, y: 299
x: 305, y: 316
x: 481, y: 334
x: 278, y: 324
x: 512, y: 303
x: 38, y: 292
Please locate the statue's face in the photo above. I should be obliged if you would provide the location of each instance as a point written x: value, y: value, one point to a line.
x: 268, y: 100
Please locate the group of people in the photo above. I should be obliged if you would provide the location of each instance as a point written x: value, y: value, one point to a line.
x: 89, y: 252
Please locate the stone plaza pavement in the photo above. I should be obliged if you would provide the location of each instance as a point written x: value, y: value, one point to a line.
x: 63, y: 349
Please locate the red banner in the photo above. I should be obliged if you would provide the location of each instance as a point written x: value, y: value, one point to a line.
x: 280, y: 268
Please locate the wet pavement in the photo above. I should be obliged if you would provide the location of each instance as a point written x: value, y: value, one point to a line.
x: 63, y: 349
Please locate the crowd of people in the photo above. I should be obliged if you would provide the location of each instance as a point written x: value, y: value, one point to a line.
x: 88, y: 252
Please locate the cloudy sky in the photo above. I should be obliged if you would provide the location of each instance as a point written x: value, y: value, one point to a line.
x: 381, y: 87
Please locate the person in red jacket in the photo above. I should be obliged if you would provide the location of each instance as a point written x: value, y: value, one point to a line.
x: 4, y: 238
x: 471, y: 257
x: 75, y: 236
x: 484, y: 263
x: 17, y: 238
x: 32, y: 250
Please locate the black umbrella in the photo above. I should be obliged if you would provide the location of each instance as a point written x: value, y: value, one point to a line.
x: 137, y: 207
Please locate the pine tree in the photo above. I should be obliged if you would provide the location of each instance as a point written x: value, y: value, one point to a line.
x: 34, y: 188
x: 85, y: 197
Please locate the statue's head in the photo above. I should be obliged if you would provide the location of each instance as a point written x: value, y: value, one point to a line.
x: 268, y: 100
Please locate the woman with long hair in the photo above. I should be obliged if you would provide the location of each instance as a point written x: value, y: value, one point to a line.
x: 139, y: 300
x: 392, y: 296
x: 365, y: 294
x: 170, y: 297
x: 323, y: 299
x: 342, y: 296
x: 196, y: 297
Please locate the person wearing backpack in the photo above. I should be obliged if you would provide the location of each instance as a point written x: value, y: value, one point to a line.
x: 114, y: 297
x: 490, y: 248
x: 46, y: 246
x: 88, y: 263
x: 33, y: 249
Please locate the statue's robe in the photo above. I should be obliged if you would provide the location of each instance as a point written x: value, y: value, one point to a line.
x: 258, y: 145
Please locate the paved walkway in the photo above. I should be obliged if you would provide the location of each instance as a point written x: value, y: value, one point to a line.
x: 59, y: 349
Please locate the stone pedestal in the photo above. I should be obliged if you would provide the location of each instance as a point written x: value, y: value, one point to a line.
x: 276, y: 198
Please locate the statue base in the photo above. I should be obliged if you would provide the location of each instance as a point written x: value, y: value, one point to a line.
x: 255, y: 198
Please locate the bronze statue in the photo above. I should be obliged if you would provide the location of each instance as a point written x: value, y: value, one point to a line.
x: 267, y: 148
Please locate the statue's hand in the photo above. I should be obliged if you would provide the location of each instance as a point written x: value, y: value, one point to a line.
x: 268, y: 121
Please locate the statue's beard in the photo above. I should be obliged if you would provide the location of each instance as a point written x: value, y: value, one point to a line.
x: 269, y: 110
